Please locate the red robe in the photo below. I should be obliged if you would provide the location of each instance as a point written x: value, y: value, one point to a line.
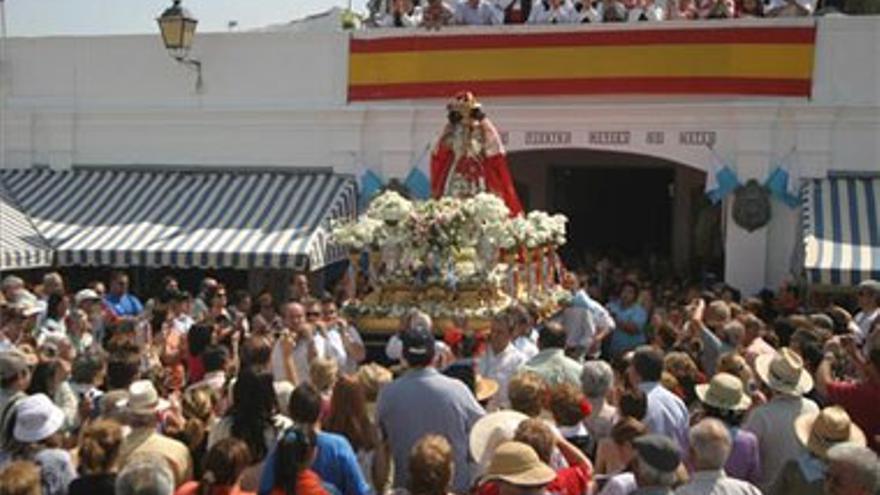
x: 491, y: 163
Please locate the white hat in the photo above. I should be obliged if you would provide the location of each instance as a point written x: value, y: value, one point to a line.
x: 784, y: 372
x: 37, y: 418
x: 492, y: 430
x: 724, y: 391
x: 85, y: 295
x: 143, y: 398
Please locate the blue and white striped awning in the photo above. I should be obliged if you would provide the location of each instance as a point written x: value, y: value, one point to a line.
x: 21, y: 246
x: 186, y: 219
x: 842, y: 230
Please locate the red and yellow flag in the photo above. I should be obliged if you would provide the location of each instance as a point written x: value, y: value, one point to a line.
x: 763, y: 61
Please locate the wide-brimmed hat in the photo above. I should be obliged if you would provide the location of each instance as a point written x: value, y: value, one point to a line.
x: 784, y: 372
x: 724, y: 391
x: 822, y: 430
x: 492, y: 430
x: 518, y: 464
x: 37, y: 418
x: 85, y: 295
x: 485, y: 388
x: 143, y: 399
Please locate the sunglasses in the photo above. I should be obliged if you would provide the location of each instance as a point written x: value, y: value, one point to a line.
x: 313, y: 314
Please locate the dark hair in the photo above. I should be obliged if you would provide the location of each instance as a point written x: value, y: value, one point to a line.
x: 212, y: 291
x: 199, y: 338
x: 214, y: 358
x: 86, y: 367
x: 305, y: 404
x: 293, y: 456
x: 648, y: 363
x: 43, y: 378
x: 727, y: 416
x: 122, y: 370
x: 255, y: 351
x: 633, y: 404
x: 239, y: 296
x: 784, y: 329
x: 117, y: 275
x: 224, y: 463
x: 254, y: 404
x: 552, y: 336
x: 53, y: 304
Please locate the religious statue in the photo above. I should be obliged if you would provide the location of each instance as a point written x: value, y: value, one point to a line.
x: 469, y: 158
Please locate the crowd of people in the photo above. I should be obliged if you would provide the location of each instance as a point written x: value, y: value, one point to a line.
x: 434, y: 14
x: 632, y: 387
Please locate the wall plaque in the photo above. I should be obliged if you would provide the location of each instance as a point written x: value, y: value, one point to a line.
x: 609, y: 137
x: 545, y: 138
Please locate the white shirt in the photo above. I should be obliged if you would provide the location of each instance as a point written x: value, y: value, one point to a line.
x: 773, y: 424
x: 501, y: 367
x: 865, y: 321
x: 412, y: 19
x: 336, y: 347
x: 716, y: 483
x: 667, y: 414
x: 182, y: 323
x: 621, y: 484
x: 810, y: 5
x: 526, y: 345
x: 579, y: 327
x: 300, y: 358
x: 484, y: 15
x: 564, y: 14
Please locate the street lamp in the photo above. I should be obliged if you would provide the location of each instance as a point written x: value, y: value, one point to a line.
x: 178, y: 27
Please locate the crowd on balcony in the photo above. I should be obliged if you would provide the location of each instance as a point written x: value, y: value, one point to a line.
x: 434, y: 14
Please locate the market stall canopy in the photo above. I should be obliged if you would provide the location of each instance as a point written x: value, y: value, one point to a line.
x: 197, y: 219
x: 842, y: 229
x: 21, y: 247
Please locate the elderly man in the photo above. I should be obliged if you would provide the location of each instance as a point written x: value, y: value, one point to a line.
x: 657, y: 460
x: 773, y: 422
x: 596, y: 380
x: 551, y: 363
x: 869, y: 306
x: 147, y: 474
x: 15, y: 378
x: 501, y: 360
x: 666, y: 414
x: 710, y: 448
x: 477, y: 13
x: 852, y: 470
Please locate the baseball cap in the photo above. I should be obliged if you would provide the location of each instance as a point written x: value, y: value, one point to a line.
x: 418, y: 344
x: 86, y: 295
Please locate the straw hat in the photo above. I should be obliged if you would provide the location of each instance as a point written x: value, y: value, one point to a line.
x: 822, y: 430
x: 143, y: 398
x: 518, y: 464
x: 784, y: 372
x: 724, y: 391
x: 485, y: 388
x: 492, y: 430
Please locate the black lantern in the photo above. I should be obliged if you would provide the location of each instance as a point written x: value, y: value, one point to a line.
x: 178, y: 27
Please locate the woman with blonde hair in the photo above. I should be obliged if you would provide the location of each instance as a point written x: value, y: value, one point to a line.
x: 20, y: 478
x: 197, y: 406
x: 98, y: 459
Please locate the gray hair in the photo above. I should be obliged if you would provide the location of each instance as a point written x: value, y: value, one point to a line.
x: 862, y: 460
x: 596, y: 379
x: 710, y: 443
x: 11, y: 282
x: 145, y: 475
x: 647, y: 475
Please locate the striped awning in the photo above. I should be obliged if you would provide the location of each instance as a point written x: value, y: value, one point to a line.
x: 21, y: 247
x: 842, y: 230
x: 186, y: 219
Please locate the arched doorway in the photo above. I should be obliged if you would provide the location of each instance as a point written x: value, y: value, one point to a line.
x: 624, y: 205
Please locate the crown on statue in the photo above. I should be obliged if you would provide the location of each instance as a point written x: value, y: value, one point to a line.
x: 464, y: 103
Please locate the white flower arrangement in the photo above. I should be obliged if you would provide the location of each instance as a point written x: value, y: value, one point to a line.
x: 487, y: 209
x: 558, y: 229
x: 541, y: 228
x: 357, y: 235
x: 390, y: 207
x: 519, y: 233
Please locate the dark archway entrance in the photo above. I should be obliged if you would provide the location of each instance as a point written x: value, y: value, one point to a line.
x: 624, y: 205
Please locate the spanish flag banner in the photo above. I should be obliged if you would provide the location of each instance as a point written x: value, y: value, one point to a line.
x: 738, y: 60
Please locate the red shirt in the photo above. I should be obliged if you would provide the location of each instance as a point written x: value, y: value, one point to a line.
x: 572, y: 480
x: 308, y: 483
x: 859, y: 400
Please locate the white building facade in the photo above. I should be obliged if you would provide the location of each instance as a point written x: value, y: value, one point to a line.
x: 279, y: 99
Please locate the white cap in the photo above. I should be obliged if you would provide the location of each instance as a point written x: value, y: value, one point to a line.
x: 86, y: 295
x: 37, y: 418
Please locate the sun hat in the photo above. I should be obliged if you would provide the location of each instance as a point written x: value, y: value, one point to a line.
x: 658, y: 451
x: 85, y: 295
x: 143, y: 398
x: 12, y: 363
x: 724, y: 391
x: 822, y: 430
x: 784, y: 372
x: 492, y: 430
x: 485, y: 388
x: 37, y: 418
x: 518, y: 464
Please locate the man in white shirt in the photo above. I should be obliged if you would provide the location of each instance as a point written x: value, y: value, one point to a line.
x: 403, y: 14
x: 525, y: 337
x: 869, y: 305
x: 501, y: 360
x: 553, y: 12
x: 308, y: 345
x: 477, y: 13
x: 710, y: 448
x: 773, y: 422
x: 666, y: 414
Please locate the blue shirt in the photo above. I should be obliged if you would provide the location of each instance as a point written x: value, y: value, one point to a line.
x: 336, y: 464
x: 667, y: 414
x: 124, y: 305
x: 621, y: 341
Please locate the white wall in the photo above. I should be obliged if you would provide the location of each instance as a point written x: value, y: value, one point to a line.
x: 279, y: 99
